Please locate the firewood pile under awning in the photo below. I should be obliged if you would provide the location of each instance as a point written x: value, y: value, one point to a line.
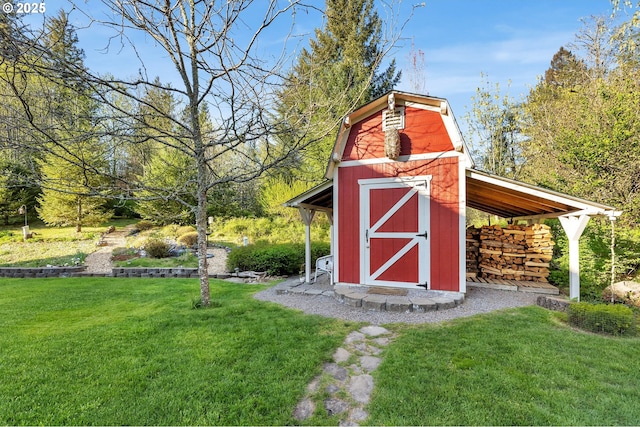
x: 515, y: 253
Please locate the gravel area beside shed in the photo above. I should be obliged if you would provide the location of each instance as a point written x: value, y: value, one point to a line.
x: 477, y: 300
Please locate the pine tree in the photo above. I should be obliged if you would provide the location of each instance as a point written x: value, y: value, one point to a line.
x: 565, y: 70
x: 340, y: 71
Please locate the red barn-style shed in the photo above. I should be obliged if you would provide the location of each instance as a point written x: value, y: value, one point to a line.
x: 398, y: 220
x: 396, y: 193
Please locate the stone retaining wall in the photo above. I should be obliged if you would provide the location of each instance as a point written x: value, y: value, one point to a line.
x: 154, y: 272
x: 43, y: 272
x: 40, y: 272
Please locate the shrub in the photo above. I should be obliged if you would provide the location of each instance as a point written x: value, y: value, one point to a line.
x: 170, y: 230
x: 157, y: 248
x: 182, y: 230
x: 144, y: 225
x: 278, y: 259
x: 123, y: 254
x: 188, y: 239
x: 613, y: 319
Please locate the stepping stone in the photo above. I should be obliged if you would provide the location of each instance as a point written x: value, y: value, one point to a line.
x: 333, y: 388
x: 312, y: 387
x: 374, y: 331
x: 370, y: 363
x: 360, y: 388
x: 375, y: 350
x: 354, y: 336
x: 362, y: 347
x: 341, y: 355
x: 335, y: 406
x: 336, y: 371
x: 358, y: 414
x: 382, y: 341
x: 304, y: 409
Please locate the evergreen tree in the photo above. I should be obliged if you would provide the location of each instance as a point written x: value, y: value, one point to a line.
x: 74, y: 161
x: 565, y: 70
x: 340, y: 71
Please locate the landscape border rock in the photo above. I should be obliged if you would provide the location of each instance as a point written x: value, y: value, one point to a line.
x: 626, y: 292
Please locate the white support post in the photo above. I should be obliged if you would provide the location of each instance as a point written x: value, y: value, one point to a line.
x: 307, y: 217
x: 574, y: 226
x: 330, y: 217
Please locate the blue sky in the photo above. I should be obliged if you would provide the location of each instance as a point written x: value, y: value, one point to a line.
x: 508, y: 40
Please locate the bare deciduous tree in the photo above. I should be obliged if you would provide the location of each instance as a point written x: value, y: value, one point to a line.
x: 218, y: 50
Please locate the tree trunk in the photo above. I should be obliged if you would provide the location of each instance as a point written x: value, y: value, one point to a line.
x: 201, y: 226
x: 79, y: 217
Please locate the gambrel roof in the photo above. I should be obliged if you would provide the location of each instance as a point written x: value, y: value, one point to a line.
x: 486, y: 192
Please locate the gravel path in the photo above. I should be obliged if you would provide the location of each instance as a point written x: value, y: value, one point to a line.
x: 99, y: 262
x: 477, y: 300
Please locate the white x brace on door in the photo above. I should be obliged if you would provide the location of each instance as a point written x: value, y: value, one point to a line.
x: 394, y: 231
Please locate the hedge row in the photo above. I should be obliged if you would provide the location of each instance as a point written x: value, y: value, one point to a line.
x: 275, y: 259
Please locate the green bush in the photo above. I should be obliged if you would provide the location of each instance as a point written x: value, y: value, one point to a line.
x: 188, y: 239
x: 613, y: 319
x: 184, y: 229
x: 275, y: 259
x: 170, y: 230
x: 157, y: 248
x: 144, y: 225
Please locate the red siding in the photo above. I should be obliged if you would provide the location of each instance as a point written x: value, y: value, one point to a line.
x: 424, y: 132
x: 445, y: 226
x: 444, y: 213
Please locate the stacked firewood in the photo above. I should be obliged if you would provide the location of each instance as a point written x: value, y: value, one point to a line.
x: 539, y: 251
x: 514, y: 253
x: 473, y: 245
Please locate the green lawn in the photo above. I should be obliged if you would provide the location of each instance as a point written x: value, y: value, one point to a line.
x: 517, y: 367
x: 103, y: 351
x: 107, y: 351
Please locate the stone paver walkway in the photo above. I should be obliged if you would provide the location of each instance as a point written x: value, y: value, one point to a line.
x: 347, y: 380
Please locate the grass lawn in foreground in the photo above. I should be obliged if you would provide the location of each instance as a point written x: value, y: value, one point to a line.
x: 514, y: 367
x: 104, y: 351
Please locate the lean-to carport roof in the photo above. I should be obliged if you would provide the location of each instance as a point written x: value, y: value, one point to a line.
x: 489, y: 193
x: 319, y: 198
x: 508, y: 198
